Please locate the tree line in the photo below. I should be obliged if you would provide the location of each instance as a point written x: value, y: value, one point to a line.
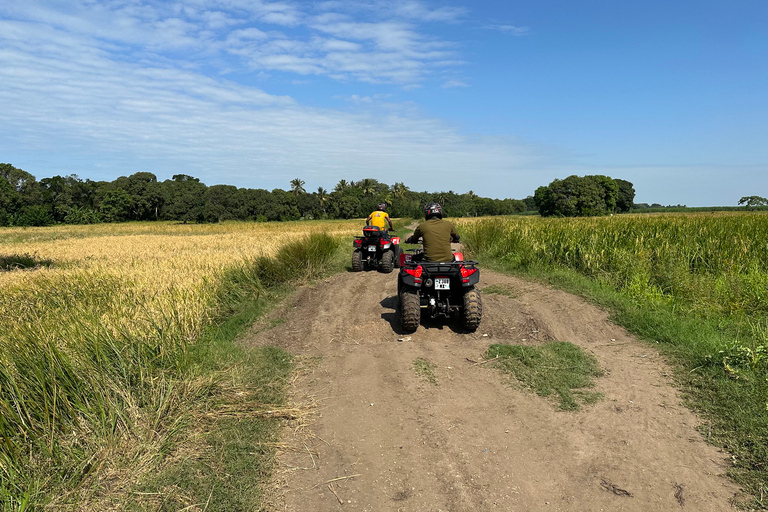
x: 25, y: 201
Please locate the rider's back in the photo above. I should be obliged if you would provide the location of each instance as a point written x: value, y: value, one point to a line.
x: 436, y: 234
x: 378, y: 219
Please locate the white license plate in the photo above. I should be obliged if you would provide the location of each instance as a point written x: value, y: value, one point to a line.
x: 442, y: 283
x: 371, y: 248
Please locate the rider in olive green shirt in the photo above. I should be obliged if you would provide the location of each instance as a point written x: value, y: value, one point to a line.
x: 437, y: 234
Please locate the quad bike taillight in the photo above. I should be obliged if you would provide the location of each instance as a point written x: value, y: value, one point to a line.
x: 415, y: 272
x: 466, y: 272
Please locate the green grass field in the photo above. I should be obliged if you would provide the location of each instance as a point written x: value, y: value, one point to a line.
x: 694, y: 285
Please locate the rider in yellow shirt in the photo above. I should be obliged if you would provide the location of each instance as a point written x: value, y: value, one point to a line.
x: 380, y: 218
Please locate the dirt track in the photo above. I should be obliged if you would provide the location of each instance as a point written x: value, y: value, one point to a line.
x: 378, y: 437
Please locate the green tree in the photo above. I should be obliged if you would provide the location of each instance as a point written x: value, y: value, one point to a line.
x: 753, y: 201
x: 369, y: 186
x: 297, y: 186
x: 184, y: 198
x: 145, y: 193
x: 344, y: 206
x: 577, y: 196
x: 341, y: 186
x: 399, y: 190
x: 20, y: 180
x: 35, y: 215
x: 322, y: 198
x: 606, y: 195
x: 9, y: 200
x: 63, y: 193
x: 530, y: 203
x: 116, y: 206
x: 221, y: 203
x: 626, y: 195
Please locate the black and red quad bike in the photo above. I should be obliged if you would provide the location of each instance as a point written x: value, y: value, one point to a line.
x: 438, y: 289
x: 376, y: 249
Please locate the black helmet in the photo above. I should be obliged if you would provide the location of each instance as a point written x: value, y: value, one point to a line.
x: 382, y: 207
x: 433, y: 210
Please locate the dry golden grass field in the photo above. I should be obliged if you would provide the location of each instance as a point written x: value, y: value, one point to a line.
x: 92, y: 341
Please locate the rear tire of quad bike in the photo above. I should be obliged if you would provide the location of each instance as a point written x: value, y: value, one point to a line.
x: 473, y: 310
x: 387, y: 264
x: 410, y: 311
x: 357, y: 261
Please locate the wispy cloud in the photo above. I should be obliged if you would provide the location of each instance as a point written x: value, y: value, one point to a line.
x: 450, y: 84
x: 510, y: 29
x: 368, y: 41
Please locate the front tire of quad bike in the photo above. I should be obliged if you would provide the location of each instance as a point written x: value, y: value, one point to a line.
x: 410, y: 311
x: 473, y: 310
x: 387, y: 264
x: 357, y: 261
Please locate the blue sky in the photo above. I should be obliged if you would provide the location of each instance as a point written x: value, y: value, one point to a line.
x: 490, y: 96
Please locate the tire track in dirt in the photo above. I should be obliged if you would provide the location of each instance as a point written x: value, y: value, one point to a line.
x: 381, y: 438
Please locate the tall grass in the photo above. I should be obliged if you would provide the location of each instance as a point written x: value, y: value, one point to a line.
x: 697, y: 285
x: 94, y: 351
x: 708, y: 263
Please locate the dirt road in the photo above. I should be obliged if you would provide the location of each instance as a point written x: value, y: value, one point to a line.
x: 379, y: 437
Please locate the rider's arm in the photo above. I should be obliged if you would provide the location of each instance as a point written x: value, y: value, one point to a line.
x: 454, y: 234
x: 391, y: 228
x: 368, y: 220
x: 414, y: 238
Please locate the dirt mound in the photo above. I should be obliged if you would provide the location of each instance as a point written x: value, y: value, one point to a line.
x: 380, y: 437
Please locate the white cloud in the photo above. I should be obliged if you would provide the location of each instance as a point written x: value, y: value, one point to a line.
x: 336, y: 45
x: 419, y: 11
x: 450, y: 84
x: 510, y: 29
x: 213, y: 32
x: 404, y: 9
x: 246, y: 35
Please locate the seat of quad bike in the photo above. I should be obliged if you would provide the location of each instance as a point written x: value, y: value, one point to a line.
x: 372, y: 231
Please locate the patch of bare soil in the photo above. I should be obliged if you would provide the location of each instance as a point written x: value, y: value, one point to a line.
x: 379, y: 437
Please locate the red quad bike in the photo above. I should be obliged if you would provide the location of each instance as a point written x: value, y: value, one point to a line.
x: 376, y: 249
x: 440, y: 289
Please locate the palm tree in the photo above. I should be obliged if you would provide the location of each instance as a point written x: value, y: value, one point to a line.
x: 368, y: 186
x: 399, y: 190
x: 341, y: 186
x: 297, y: 186
x: 322, y: 197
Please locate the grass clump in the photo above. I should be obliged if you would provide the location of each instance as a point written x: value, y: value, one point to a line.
x: 425, y: 369
x: 555, y: 368
x: 230, y: 454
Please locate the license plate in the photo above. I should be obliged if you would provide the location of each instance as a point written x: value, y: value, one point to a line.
x: 442, y: 283
x: 371, y: 248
